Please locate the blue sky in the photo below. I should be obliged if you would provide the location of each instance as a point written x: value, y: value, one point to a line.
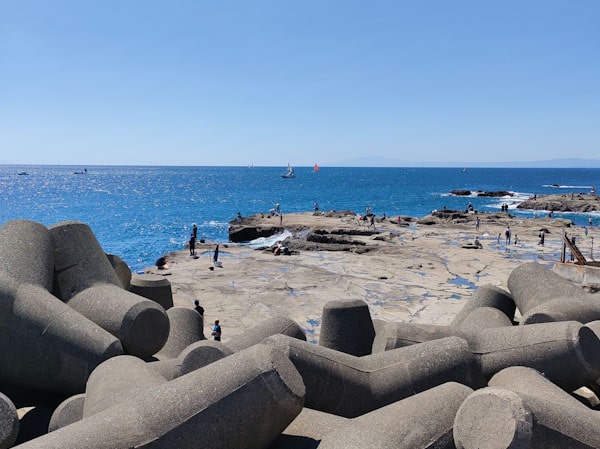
x: 271, y: 82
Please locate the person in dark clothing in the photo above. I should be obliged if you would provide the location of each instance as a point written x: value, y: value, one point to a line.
x: 198, y: 308
x: 161, y: 263
x: 192, y: 245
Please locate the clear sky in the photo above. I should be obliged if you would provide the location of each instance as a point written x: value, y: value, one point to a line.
x: 195, y: 82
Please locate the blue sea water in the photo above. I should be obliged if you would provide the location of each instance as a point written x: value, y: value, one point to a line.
x: 142, y: 212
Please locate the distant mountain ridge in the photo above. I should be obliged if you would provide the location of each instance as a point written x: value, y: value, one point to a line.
x: 390, y: 162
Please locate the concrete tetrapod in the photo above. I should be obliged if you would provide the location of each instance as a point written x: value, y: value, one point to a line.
x: 397, y: 335
x: 245, y: 400
x: 394, y: 335
x: 140, y: 324
x: 154, y: 287
x: 275, y: 325
x: 487, y: 296
x: 484, y: 318
x: 69, y: 411
x: 186, y: 327
x: 119, y: 379
x: 122, y: 270
x: 9, y: 422
x: 88, y: 283
x: 582, y: 309
x: 346, y: 326
x: 80, y: 262
x: 531, y: 285
x: 193, y: 357
x: 567, y: 352
x: 45, y: 344
x: 307, y: 430
x: 201, y: 353
x: 522, y: 409
x: 350, y: 386
x: 27, y: 253
x: 422, y: 421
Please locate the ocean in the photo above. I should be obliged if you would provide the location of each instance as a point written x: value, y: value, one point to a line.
x: 141, y: 212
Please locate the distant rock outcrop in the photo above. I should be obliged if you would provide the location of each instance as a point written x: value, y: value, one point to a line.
x: 579, y: 202
x: 495, y: 193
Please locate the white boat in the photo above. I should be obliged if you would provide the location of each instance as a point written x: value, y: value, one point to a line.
x: 289, y: 172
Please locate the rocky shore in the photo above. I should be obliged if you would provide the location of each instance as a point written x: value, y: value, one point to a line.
x: 572, y: 202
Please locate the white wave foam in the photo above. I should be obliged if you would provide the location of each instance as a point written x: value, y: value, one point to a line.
x: 556, y: 186
x: 268, y: 241
x: 512, y: 200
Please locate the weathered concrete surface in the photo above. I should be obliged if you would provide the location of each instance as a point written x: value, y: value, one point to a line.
x: 27, y: 253
x: 523, y: 409
x: 582, y: 309
x: 68, y: 412
x: 80, y: 262
x: 422, y: 421
x: 275, y: 325
x: 350, y: 386
x: 531, y: 285
x: 346, y: 326
x: 484, y: 318
x: 156, y: 288
x: 487, y: 296
x: 88, y: 283
x: 45, y: 344
x: 122, y: 270
x: 193, y: 357
x: 567, y: 352
x: 119, y: 379
x: 248, y: 407
x: 141, y: 325
x: 186, y: 327
x: 9, y: 422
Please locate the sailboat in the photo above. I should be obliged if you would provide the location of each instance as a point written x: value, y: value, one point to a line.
x: 289, y: 172
x: 316, y: 168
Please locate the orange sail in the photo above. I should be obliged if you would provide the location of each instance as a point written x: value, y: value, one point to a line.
x: 316, y: 167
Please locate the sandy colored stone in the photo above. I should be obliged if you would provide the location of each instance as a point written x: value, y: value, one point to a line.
x: 410, y: 272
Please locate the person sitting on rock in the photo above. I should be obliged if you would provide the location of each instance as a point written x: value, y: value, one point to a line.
x: 162, y: 263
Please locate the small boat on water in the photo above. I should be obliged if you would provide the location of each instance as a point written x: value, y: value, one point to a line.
x: 289, y: 172
x: 23, y: 173
x: 84, y: 172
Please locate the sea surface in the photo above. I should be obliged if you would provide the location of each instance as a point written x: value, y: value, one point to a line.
x: 141, y: 212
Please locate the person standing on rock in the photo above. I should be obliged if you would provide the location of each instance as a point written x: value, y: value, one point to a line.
x: 507, y: 234
x: 195, y: 230
x: 192, y: 245
x: 216, y: 332
x: 198, y: 308
x: 477, y: 223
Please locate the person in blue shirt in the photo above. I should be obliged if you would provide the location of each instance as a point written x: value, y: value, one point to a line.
x: 216, y: 332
